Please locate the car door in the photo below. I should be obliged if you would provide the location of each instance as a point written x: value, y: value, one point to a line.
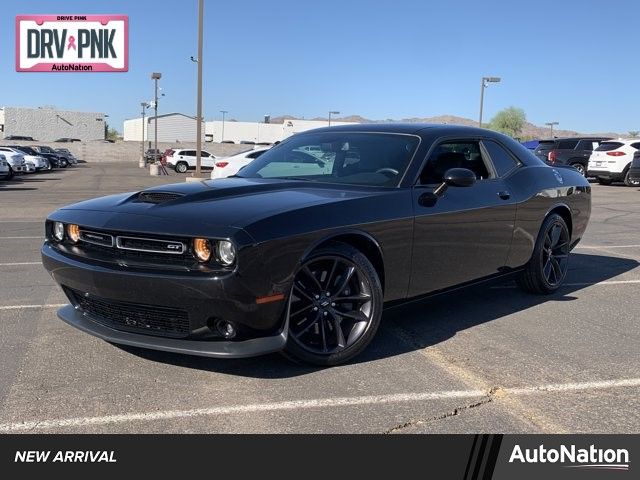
x: 461, y: 234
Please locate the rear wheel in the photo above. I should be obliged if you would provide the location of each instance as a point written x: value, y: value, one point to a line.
x: 335, y: 307
x: 549, y: 263
x: 630, y: 183
x: 182, y: 167
x: 580, y: 168
x: 604, y: 181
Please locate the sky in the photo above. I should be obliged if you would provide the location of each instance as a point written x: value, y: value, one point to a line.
x: 570, y: 61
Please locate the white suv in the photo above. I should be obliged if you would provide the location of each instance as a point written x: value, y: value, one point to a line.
x: 183, y: 160
x: 15, y: 160
x: 5, y: 172
x: 610, y: 162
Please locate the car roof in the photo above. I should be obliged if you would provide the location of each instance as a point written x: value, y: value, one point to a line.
x: 574, y: 138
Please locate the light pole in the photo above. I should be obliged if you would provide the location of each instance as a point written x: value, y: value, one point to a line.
x: 144, y: 113
x: 483, y: 84
x: 155, y: 76
x: 550, y: 125
x: 333, y: 112
x: 199, y: 100
x: 223, y: 112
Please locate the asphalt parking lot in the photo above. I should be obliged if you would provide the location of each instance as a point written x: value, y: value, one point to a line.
x: 485, y: 360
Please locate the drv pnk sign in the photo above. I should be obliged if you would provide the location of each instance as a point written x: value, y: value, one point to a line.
x: 72, y: 43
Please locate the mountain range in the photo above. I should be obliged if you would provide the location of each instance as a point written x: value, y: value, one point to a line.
x: 529, y: 131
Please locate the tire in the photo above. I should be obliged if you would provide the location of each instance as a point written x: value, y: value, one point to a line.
x: 580, y: 168
x: 630, y: 183
x: 548, y: 265
x: 63, y: 164
x: 182, y: 167
x: 330, y: 330
x: 604, y: 181
x: 10, y: 174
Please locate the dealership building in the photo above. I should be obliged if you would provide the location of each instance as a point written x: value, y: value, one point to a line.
x: 48, y: 123
x: 177, y: 127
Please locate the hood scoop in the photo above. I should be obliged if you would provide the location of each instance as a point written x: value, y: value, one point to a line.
x: 158, y: 197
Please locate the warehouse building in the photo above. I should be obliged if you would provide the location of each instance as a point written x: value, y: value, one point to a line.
x: 49, y: 123
x: 172, y: 127
x: 177, y: 127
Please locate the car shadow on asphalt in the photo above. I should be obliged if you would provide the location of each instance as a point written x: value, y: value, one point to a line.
x: 420, y: 324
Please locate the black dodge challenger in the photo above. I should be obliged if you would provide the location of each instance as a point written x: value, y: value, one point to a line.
x: 301, y: 251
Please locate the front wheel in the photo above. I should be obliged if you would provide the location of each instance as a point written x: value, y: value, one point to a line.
x: 335, y: 306
x: 549, y: 263
x: 182, y: 167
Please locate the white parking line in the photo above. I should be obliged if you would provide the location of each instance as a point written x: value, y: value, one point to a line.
x: 20, y: 238
x: 19, y: 263
x: 309, y: 404
x: 20, y: 307
x: 595, y: 247
x: 585, y: 284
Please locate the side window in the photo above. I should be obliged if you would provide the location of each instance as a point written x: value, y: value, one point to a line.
x: 188, y: 153
x: 586, y: 145
x: 502, y: 160
x: 567, y: 144
x: 255, y: 154
x: 636, y: 145
x: 456, y: 154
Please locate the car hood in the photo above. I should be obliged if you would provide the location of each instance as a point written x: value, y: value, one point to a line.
x: 196, y: 207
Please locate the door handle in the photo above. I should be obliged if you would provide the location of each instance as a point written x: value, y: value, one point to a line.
x: 504, y: 195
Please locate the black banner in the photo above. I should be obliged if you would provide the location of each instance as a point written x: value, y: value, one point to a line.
x: 467, y: 457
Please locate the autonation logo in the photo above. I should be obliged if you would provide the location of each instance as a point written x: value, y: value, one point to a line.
x: 574, y: 457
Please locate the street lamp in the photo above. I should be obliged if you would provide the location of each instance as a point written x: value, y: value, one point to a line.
x: 199, y: 100
x: 485, y: 82
x: 144, y: 106
x: 333, y: 112
x: 223, y: 112
x: 550, y: 125
x: 155, y: 76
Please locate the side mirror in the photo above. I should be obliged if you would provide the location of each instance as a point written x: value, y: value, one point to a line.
x: 459, y: 177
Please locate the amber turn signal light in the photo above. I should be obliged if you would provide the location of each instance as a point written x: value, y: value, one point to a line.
x: 74, y: 232
x: 202, y: 249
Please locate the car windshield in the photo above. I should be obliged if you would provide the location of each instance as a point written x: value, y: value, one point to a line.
x: 376, y: 159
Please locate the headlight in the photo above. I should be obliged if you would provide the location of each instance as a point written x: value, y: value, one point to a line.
x: 58, y: 231
x: 226, y: 252
x: 202, y: 249
x: 74, y: 232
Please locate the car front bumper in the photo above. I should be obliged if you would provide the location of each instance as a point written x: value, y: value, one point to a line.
x: 261, y: 328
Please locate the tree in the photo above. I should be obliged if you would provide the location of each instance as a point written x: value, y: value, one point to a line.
x: 634, y: 133
x: 110, y: 133
x: 509, y: 121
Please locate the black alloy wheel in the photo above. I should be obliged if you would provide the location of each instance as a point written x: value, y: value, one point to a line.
x: 630, y: 183
x: 580, y: 168
x: 549, y: 263
x: 335, y: 306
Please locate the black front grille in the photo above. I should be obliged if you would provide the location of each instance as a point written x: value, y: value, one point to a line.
x: 158, y: 197
x: 133, y: 317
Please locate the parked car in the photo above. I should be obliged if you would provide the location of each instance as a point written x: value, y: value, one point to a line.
x: 67, y: 140
x: 5, y: 171
x: 183, y: 160
x: 289, y: 256
x: 611, y: 161
x: 634, y: 170
x: 52, y: 161
x: 15, y: 160
x: 65, y: 153
x: 574, y: 151
x: 225, y: 167
x: 152, y: 155
x: 20, y: 138
x: 247, y: 142
x: 228, y: 141
x: 38, y: 161
x: 50, y: 154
